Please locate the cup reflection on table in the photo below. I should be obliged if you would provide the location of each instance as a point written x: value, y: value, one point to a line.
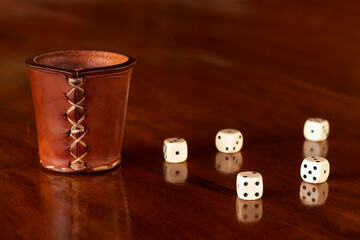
x: 84, y: 206
x: 311, y: 148
x: 249, y: 211
x: 228, y: 162
x: 175, y: 172
x: 313, y: 194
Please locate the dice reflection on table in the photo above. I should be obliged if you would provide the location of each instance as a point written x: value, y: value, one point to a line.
x: 228, y: 162
x: 175, y: 172
x: 311, y: 148
x: 249, y: 211
x: 313, y: 194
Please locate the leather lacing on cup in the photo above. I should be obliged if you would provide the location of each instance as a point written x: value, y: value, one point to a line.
x: 77, y: 131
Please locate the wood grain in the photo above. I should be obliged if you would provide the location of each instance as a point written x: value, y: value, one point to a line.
x: 260, y: 67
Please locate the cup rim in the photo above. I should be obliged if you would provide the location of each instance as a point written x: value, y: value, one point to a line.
x: 31, y: 62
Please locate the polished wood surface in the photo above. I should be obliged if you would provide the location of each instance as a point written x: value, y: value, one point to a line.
x: 262, y: 67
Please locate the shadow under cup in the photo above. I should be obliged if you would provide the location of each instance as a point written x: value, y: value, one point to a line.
x: 80, y: 100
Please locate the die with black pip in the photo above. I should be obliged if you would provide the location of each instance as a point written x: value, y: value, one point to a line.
x: 175, y: 150
x: 249, y: 185
x: 229, y: 140
x: 315, y: 169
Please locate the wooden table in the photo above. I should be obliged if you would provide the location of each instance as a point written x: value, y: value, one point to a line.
x: 262, y: 67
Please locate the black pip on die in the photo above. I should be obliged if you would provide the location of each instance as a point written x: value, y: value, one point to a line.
x: 249, y: 185
x: 315, y: 169
x: 229, y: 140
x: 175, y: 150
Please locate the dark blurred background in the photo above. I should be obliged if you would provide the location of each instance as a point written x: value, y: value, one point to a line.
x: 300, y: 39
x: 274, y: 42
x: 192, y: 51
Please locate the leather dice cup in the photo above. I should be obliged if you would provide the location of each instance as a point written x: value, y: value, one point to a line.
x: 80, y: 100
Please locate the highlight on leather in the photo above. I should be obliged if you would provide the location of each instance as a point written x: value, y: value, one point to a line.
x: 77, y: 130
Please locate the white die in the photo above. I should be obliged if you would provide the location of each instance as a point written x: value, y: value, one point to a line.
x: 315, y: 169
x: 249, y: 185
x: 248, y: 211
x: 228, y: 162
x: 314, y: 194
x: 311, y: 148
x: 175, y: 172
x: 229, y: 140
x: 175, y: 150
x: 316, y: 129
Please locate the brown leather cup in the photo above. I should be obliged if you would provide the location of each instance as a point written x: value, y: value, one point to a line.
x: 80, y: 100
